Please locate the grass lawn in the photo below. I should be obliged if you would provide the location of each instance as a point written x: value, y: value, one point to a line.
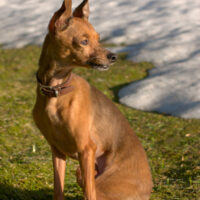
x: 172, y: 144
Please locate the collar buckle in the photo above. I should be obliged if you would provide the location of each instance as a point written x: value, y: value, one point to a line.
x: 56, y: 92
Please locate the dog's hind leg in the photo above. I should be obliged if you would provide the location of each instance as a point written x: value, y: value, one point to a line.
x: 118, y: 186
x: 120, y: 194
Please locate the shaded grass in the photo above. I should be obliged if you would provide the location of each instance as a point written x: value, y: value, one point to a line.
x: 172, y: 144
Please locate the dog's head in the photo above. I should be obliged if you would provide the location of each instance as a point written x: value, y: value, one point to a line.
x: 75, y: 40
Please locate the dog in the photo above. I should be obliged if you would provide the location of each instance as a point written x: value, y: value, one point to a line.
x: 78, y: 121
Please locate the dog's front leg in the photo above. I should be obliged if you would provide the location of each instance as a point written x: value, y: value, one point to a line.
x: 87, y: 164
x: 59, y: 165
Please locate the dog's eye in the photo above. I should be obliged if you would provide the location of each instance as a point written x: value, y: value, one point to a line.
x: 84, y: 42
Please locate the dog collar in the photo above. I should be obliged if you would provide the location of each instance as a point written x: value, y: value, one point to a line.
x: 55, y: 91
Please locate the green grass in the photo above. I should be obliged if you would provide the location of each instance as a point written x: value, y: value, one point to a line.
x: 172, y: 144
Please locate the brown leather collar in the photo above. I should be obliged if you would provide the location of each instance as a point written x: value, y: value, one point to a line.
x: 55, y: 91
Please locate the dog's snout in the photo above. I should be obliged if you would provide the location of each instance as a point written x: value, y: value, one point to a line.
x: 112, y: 57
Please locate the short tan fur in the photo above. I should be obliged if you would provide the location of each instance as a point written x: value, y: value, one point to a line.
x: 83, y: 123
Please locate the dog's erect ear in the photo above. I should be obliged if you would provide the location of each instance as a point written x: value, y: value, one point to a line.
x: 82, y: 10
x: 60, y: 18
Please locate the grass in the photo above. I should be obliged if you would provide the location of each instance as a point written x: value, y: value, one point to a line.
x: 172, y: 144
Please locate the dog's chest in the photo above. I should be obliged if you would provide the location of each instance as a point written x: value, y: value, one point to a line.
x: 53, y: 128
x: 51, y: 112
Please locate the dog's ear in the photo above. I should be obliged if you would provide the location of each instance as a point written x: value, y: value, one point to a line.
x: 61, y: 17
x: 82, y: 10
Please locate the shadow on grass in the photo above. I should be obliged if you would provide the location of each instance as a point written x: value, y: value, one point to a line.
x: 115, y: 91
x: 8, y: 192
x: 124, y: 57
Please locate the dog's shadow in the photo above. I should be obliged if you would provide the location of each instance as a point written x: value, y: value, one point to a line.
x: 8, y: 192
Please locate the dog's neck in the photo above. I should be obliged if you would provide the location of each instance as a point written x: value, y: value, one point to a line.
x: 51, y: 67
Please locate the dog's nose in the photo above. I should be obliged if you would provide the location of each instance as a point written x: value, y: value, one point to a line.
x: 112, y: 57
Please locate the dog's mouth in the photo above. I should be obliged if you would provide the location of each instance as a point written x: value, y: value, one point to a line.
x: 99, y: 67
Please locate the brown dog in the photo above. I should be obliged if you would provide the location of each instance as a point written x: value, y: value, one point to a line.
x: 78, y: 121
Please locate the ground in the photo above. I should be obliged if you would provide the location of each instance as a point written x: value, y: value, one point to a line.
x: 172, y: 144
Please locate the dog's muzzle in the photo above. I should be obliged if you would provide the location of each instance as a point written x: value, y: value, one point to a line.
x: 111, y: 58
x: 99, y: 67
